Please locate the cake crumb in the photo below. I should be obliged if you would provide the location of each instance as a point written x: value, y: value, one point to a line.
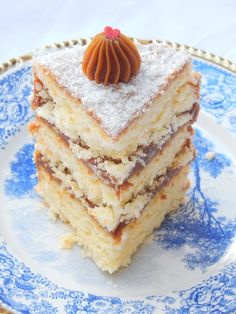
x: 112, y: 284
x: 210, y: 155
x: 66, y: 241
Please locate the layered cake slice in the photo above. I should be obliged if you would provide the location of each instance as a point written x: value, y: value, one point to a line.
x: 114, y: 139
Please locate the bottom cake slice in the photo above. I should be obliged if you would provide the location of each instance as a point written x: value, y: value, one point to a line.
x: 111, y: 250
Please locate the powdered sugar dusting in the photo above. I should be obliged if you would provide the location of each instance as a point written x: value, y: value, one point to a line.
x: 116, y: 105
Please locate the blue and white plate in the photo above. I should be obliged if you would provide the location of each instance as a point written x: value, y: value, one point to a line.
x: 188, y: 266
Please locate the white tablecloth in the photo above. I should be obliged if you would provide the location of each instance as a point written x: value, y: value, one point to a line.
x: 209, y: 24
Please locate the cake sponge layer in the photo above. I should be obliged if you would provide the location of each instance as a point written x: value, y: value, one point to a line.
x: 110, y: 251
x: 55, y: 149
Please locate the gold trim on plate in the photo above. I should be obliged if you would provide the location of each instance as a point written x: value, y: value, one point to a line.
x: 208, y: 56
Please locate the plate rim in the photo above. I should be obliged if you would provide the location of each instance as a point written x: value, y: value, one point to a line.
x: 196, y: 52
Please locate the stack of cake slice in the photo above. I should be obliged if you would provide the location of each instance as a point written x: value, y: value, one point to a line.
x: 113, y: 160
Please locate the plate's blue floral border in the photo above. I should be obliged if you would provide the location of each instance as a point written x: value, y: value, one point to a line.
x: 208, y: 235
x: 27, y: 292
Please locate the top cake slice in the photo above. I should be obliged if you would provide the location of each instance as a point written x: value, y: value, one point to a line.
x: 116, y: 120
